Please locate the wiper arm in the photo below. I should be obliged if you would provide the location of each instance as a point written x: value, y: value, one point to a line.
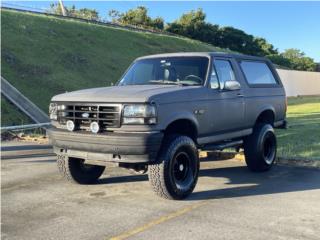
x: 164, y: 82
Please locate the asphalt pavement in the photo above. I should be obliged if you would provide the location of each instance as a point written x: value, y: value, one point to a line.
x: 229, y: 202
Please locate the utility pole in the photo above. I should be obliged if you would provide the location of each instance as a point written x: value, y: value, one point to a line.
x: 63, y: 10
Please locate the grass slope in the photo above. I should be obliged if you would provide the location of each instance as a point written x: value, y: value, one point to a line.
x: 43, y: 56
x: 10, y: 114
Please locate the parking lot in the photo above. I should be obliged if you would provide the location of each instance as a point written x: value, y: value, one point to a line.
x: 229, y: 202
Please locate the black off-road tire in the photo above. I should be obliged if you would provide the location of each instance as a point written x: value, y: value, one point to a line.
x: 74, y: 170
x: 175, y: 174
x: 260, y: 148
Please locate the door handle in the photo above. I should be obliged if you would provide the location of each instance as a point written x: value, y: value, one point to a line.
x: 240, y: 95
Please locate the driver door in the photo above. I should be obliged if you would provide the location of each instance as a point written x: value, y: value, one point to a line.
x: 226, y: 107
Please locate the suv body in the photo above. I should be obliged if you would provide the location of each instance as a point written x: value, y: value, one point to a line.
x: 214, y: 100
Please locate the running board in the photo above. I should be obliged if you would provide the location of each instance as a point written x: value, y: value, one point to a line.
x: 221, y: 146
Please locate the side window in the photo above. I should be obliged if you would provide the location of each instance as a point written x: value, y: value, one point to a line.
x: 257, y: 72
x: 224, y: 71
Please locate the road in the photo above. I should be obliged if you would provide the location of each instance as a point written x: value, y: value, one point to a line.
x: 229, y: 202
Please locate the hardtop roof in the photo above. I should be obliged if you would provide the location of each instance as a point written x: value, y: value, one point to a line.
x: 203, y: 54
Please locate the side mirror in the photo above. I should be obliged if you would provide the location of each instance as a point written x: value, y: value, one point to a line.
x: 231, y: 85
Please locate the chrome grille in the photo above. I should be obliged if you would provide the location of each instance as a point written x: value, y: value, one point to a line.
x: 107, y: 115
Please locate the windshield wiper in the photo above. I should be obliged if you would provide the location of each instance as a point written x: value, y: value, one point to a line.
x: 164, y: 82
x: 178, y: 83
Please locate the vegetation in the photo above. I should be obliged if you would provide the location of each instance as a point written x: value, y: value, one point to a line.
x: 11, y: 115
x: 302, y: 138
x: 137, y: 17
x: 298, y: 60
x: 193, y: 25
x: 44, y: 56
x: 85, y: 13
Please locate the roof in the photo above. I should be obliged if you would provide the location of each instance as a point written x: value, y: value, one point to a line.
x: 202, y: 54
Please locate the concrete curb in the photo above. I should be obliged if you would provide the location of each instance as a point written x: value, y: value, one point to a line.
x: 299, y: 162
x: 26, y: 151
x: 294, y: 162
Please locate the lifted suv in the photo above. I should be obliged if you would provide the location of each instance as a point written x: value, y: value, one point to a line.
x: 162, y: 111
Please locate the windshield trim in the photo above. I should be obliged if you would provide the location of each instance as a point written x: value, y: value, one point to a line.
x: 182, y: 56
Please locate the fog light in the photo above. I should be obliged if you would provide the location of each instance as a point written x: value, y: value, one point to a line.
x: 70, y: 125
x: 94, y: 127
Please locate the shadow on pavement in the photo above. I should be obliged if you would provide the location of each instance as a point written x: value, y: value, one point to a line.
x: 123, y: 179
x: 280, y: 179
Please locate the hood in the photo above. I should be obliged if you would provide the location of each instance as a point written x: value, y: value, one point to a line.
x: 119, y: 94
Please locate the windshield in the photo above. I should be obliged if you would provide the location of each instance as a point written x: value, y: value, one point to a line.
x: 187, y: 71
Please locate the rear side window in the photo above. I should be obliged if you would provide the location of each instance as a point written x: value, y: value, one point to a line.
x: 257, y: 73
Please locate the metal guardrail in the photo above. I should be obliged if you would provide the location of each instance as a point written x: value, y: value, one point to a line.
x: 23, y: 103
x: 105, y: 23
x: 25, y: 127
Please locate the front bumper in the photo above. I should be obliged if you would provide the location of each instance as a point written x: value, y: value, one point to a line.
x: 127, y: 147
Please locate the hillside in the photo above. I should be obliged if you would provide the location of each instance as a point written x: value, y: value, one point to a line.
x: 43, y: 56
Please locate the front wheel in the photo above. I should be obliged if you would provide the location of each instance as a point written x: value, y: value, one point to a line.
x: 75, y: 170
x: 260, y: 148
x: 176, y: 173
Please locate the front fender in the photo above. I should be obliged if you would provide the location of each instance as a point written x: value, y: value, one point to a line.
x: 179, y: 115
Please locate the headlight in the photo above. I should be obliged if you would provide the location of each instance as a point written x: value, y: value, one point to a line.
x: 53, y: 110
x: 139, y: 114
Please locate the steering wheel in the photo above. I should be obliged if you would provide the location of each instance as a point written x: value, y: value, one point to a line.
x: 194, y: 78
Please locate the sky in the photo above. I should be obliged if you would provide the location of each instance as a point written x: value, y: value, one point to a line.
x: 284, y: 24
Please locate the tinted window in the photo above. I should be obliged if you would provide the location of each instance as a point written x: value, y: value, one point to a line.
x: 224, y: 71
x: 257, y: 73
x: 171, y: 70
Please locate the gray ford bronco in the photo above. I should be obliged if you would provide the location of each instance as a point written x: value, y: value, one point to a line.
x: 163, y: 110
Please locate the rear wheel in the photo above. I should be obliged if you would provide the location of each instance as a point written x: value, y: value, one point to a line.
x: 176, y: 174
x: 75, y: 170
x: 260, y: 148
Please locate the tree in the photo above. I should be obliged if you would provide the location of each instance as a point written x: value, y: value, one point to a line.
x: 85, y: 13
x: 298, y: 60
x: 292, y: 53
x: 193, y: 25
x: 137, y: 17
x: 157, y: 23
x: 267, y: 48
x: 115, y: 15
x: 237, y: 40
x: 280, y: 60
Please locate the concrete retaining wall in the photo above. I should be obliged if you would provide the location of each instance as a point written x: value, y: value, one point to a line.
x: 300, y: 83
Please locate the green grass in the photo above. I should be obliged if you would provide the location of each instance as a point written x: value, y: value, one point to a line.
x: 302, y: 138
x: 11, y: 114
x: 43, y: 56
